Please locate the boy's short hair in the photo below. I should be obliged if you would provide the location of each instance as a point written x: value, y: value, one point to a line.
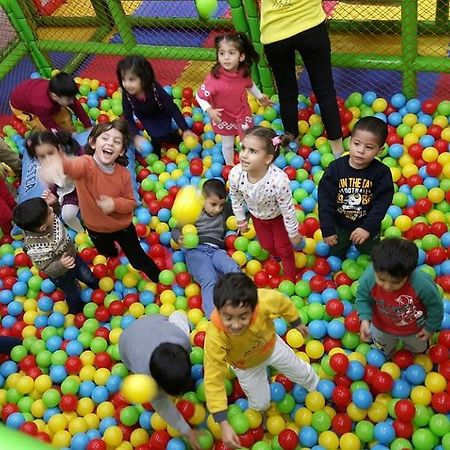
x: 237, y: 290
x: 170, y: 366
x: 30, y: 214
x: 395, y: 256
x: 63, y: 85
x: 214, y: 186
x: 375, y: 126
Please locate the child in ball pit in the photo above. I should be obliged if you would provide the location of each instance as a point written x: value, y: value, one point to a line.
x: 242, y: 334
x: 397, y: 301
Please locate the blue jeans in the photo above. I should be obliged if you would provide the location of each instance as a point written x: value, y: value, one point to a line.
x: 206, y: 263
x: 68, y: 283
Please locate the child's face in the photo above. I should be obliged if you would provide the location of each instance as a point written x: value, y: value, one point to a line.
x: 213, y: 204
x: 253, y: 156
x: 132, y: 83
x: 236, y: 318
x: 45, y: 152
x: 229, y: 56
x: 108, y: 146
x: 364, y: 147
x: 388, y: 282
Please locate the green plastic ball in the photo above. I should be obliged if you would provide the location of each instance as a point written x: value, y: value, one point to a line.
x: 241, y: 244
x: 205, y: 440
x: 129, y: 416
x: 321, y: 421
x: 18, y: 353
x: 355, y: 99
x: 196, y: 355
x: 51, y: 398
x: 365, y: 430
x: 70, y: 385
x: 286, y: 287
x: 423, y: 438
x: 302, y: 288
x: 286, y: 405
x: 444, y: 108
x: 190, y: 240
x: 166, y: 277
x: 240, y: 423
x: 439, y: 425
x: 350, y: 340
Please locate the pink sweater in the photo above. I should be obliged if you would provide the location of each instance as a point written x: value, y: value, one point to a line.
x: 229, y: 92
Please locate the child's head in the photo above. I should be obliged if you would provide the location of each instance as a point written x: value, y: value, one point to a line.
x: 367, y: 141
x: 135, y: 75
x: 235, y: 298
x: 215, y: 194
x: 234, y: 52
x: 394, y: 260
x: 170, y: 366
x: 260, y: 147
x: 62, y: 89
x: 45, y: 144
x: 33, y: 215
x: 108, y: 142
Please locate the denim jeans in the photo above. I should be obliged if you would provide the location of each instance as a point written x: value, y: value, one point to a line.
x: 68, y: 283
x: 206, y: 263
x: 315, y: 50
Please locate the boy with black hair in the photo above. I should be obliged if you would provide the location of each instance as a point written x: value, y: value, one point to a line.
x: 209, y: 260
x: 159, y: 346
x: 242, y: 334
x: 356, y: 191
x: 48, y: 244
x: 43, y: 104
x: 397, y: 301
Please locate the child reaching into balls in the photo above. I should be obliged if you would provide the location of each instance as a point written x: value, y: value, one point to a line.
x: 242, y: 334
x: 223, y: 95
x: 264, y: 189
x: 48, y: 244
x: 159, y: 346
x: 356, y: 191
x: 45, y: 144
x: 396, y: 301
x: 209, y: 260
x: 144, y: 99
x: 105, y: 192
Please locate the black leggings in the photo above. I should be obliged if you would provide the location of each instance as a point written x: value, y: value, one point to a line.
x: 129, y: 242
x: 315, y: 50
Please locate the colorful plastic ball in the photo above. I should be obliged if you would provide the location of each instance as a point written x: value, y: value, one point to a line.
x: 187, y: 206
x: 424, y: 439
x: 362, y: 398
x: 206, y: 9
x: 384, y: 433
x: 139, y: 388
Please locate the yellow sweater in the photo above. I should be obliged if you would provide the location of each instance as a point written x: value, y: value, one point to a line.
x: 247, y: 350
x: 281, y: 19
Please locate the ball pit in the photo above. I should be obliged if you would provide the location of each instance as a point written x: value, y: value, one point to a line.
x: 67, y: 386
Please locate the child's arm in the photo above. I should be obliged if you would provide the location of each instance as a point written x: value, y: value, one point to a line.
x: 383, y: 192
x: 262, y: 98
x: 328, y: 187
x: 128, y: 115
x: 126, y: 203
x: 214, y: 113
x: 81, y: 113
x: 237, y: 197
x: 284, y: 200
x: 429, y: 295
x: 364, y: 302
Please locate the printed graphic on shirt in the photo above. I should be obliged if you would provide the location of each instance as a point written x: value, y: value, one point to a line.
x: 282, y: 3
x: 403, y: 310
x: 259, y: 345
x: 353, y: 197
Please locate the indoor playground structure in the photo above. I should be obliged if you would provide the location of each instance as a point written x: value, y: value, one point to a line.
x: 66, y: 386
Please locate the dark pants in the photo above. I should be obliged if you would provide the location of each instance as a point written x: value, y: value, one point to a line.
x: 344, y: 243
x: 129, y: 242
x: 68, y: 283
x: 315, y: 50
x: 7, y: 343
x: 172, y: 139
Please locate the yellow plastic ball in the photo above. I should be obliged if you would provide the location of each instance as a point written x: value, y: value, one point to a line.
x: 300, y: 260
x: 106, y: 284
x: 444, y: 158
x: 87, y: 373
x: 29, y: 330
x: 294, y: 338
x: 314, y: 349
x: 252, y: 267
x: 410, y: 139
x: 188, y: 205
x: 192, y: 289
x: 57, y: 423
x: 403, y: 222
x: 446, y: 134
x: 231, y: 223
x: 167, y: 309
x: 189, y: 229
x: 303, y: 126
x: 137, y: 310
x: 239, y: 257
x: 329, y: 440
x: 139, y: 437
x: 157, y: 422
x: 61, y: 438
x: 25, y: 384
x: 254, y: 417
x: 392, y: 369
x: 190, y: 142
x: 317, y: 236
x: 38, y: 408
x: 176, y: 174
x: 310, y: 246
x: 105, y: 409
x: 436, y: 195
x: 275, y: 424
x: 420, y: 395
x: 409, y: 119
x: 92, y: 420
x: 113, y: 436
x: 43, y: 383
x: 139, y: 388
x: 101, y: 376
x: 349, y: 441
x: 77, y: 425
x: 379, y: 105
x: 434, y: 382
x: 162, y: 227
x: 199, y: 415
x: 395, y: 173
x: 355, y: 413
x: 314, y: 401
x: 430, y: 154
x: 405, y: 159
x: 87, y: 358
x: 435, y: 216
x: 195, y: 315
x: 446, y: 171
x: 129, y: 280
x: 357, y: 356
x: 214, y: 427
x: 335, y: 350
x: 377, y: 412
x: 29, y: 317
x: 167, y: 296
x: 419, y: 129
x: 99, y: 259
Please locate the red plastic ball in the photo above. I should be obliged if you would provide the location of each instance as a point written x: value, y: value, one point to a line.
x: 261, y: 279
x: 96, y: 444
x: 159, y: 439
x: 288, y: 439
x: 444, y: 338
x: 403, y: 358
x: 405, y: 410
x: 444, y: 369
x: 339, y: 362
x: 352, y: 322
x: 438, y: 228
x: 341, y: 396
x: 285, y: 381
x: 103, y: 360
x: 183, y: 279
x: 199, y: 339
x: 334, y: 307
x: 68, y: 402
x: 403, y: 429
x: 382, y: 382
x: 73, y: 365
x: 186, y: 409
x: 341, y: 424
x: 440, y: 402
x: 195, y: 301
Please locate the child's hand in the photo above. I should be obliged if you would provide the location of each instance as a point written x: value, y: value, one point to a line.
x: 242, y: 226
x: 49, y: 197
x: 139, y: 142
x: 229, y: 436
x: 52, y: 170
x: 331, y: 240
x: 265, y: 101
x: 297, y: 241
x: 192, y: 437
x: 215, y: 114
x: 424, y: 335
x: 106, y: 204
x: 359, y: 236
x: 303, y: 329
x: 67, y: 261
x: 364, y: 331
